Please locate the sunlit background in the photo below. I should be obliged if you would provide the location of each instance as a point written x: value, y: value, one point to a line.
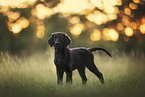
x: 27, y: 24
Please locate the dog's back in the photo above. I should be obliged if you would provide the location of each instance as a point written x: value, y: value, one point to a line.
x: 80, y: 57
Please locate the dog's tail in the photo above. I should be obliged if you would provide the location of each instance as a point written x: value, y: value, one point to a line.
x: 98, y: 48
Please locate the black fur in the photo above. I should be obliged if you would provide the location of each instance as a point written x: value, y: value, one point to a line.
x: 66, y: 60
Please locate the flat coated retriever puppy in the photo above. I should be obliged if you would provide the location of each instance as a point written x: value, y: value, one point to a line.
x: 66, y: 59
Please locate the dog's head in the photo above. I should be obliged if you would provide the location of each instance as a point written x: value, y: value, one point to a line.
x: 59, y: 40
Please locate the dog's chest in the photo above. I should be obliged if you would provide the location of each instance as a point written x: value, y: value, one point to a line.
x: 62, y: 61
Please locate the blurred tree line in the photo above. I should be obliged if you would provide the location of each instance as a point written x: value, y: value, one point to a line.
x: 40, y: 18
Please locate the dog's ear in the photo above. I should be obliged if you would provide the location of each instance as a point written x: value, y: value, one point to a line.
x: 51, y: 40
x: 67, y: 40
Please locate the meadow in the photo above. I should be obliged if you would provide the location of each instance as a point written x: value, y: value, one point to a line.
x: 34, y: 76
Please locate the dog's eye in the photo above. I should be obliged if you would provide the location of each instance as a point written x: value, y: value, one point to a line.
x: 55, y: 36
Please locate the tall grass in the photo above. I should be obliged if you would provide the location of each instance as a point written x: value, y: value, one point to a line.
x: 35, y: 75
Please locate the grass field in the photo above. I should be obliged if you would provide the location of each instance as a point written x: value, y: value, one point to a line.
x: 34, y: 76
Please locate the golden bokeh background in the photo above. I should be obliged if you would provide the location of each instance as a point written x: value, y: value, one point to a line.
x: 104, y: 20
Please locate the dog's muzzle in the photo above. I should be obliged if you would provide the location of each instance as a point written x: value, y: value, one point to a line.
x: 57, y: 44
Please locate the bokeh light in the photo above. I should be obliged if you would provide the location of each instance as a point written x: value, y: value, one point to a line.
x: 42, y: 12
x: 23, y: 22
x: 136, y: 1
x: 96, y: 35
x: 98, y: 3
x: 77, y: 29
x: 110, y: 34
x: 16, y: 28
x: 74, y: 20
x: 112, y: 17
x: 113, y: 2
x: 128, y: 31
x: 12, y: 16
x: 40, y: 31
x: 120, y: 26
x: 143, y: 20
x: 97, y: 17
x: 133, y: 6
x: 133, y: 25
x: 74, y: 6
x: 125, y: 20
x: 20, y: 24
x: 111, y: 9
x: 142, y: 28
x: 127, y: 11
x: 16, y: 3
x: 113, y: 35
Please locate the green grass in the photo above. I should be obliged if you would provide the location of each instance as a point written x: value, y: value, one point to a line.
x: 34, y: 76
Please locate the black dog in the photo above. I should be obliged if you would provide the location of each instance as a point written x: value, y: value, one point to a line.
x: 67, y: 60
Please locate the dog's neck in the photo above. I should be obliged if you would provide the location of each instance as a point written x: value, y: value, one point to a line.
x: 60, y: 53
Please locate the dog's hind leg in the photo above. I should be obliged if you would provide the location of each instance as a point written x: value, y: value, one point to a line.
x: 83, y: 76
x: 92, y: 67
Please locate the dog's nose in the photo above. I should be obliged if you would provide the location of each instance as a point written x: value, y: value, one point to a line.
x: 56, y: 43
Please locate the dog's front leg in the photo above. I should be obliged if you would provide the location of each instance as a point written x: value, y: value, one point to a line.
x: 69, y: 77
x: 59, y: 76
